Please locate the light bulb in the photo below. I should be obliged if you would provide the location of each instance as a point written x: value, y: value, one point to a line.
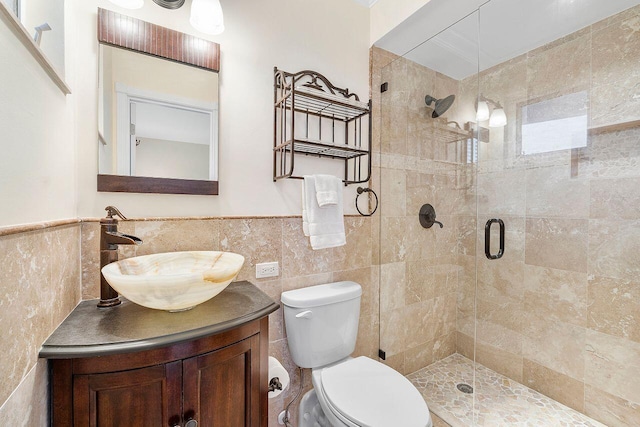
x: 128, y: 4
x: 483, y: 111
x: 206, y: 16
x: 498, y: 118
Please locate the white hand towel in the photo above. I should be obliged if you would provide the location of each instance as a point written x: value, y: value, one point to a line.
x: 327, y: 190
x: 305, y: 216
x: 325, y: 226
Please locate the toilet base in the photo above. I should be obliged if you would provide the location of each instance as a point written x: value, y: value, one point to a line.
x: 310, y: 413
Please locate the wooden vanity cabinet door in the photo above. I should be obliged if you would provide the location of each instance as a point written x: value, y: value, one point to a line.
x: 148, y: 397
x: 221, y: 388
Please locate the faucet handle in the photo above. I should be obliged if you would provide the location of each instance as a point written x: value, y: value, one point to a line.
x: 112, y: 210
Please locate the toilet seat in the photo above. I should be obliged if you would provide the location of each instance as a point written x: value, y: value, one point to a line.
x: 364, y: 393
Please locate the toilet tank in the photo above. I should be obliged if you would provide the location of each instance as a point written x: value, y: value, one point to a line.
x: 322, y: 322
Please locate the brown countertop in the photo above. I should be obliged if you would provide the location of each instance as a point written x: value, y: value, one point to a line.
x: 89, y: 331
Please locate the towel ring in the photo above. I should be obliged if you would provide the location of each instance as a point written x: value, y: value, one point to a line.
x: 361, y: 190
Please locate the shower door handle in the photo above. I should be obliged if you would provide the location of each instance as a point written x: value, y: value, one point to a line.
x: 487, y: 239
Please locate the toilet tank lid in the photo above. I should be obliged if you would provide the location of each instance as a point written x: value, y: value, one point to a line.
x: 315, y: 296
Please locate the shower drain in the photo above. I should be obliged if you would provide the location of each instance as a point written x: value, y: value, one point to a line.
x: 465, y: 388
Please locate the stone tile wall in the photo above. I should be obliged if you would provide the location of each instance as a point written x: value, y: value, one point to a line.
x: 40, y: 282
x: 260, y: 240
x: 558, y: 312
x: 418, y: 266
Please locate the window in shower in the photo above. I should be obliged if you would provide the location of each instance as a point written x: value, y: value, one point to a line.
x: 554, y: 124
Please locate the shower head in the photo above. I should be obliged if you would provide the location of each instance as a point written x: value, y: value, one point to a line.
x: 441, y: 105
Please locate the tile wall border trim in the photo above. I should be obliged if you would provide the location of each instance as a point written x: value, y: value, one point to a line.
x: 39, y: 226
x: 202, y: 218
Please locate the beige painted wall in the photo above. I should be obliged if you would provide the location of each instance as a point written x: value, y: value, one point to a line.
x: 255, y: 40
x: 37, y: 158
x: 174, y: 159
x: 149, y: 73
x: 49, y: 159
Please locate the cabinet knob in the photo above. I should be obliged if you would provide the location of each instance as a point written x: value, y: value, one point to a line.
x: 191, y: 423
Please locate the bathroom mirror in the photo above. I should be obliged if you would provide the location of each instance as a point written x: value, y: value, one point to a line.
x: 157, y: 115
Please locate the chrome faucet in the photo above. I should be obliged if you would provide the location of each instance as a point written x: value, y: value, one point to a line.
x: 110, y: 238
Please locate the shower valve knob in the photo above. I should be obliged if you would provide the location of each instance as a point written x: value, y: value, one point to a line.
x: 427, y: 216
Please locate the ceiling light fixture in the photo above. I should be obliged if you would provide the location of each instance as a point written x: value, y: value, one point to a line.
x: 169, y: 4
x: 206, y: 16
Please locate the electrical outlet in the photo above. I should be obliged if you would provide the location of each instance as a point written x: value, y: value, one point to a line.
x: 267, y: 269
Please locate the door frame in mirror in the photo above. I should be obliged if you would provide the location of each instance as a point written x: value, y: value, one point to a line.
x: 126, y: 94
x: 161, y: 42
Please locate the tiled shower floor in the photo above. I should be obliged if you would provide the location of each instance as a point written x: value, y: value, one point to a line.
x: 499, y: 401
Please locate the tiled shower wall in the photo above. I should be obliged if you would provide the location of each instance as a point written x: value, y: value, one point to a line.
x: 418, y: 266
x: 40, y: 282
x: 260, y: 240
x: 559, y: 312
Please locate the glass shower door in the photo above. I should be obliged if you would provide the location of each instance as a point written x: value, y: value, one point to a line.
x: 531, y: 285
x: 425, y: 175
x: 559, y: 166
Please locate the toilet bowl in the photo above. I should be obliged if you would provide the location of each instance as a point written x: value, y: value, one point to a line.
x: 361, y: 392
x: 322, y: 324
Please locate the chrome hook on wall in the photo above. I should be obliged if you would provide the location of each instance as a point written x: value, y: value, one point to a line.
x: 427, y: 216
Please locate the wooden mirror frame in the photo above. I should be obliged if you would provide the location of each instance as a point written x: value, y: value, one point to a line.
x: 154, y: 40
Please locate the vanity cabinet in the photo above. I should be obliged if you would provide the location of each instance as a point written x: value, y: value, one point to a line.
x: 129, y: 365
x: 218, y: 385
x: 145, y: 396
x: 219, y: 380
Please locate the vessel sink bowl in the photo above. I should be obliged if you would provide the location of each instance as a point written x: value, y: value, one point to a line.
x: 173, y: 281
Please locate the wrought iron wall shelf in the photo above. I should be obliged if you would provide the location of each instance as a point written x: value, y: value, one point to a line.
x: 315, y: 118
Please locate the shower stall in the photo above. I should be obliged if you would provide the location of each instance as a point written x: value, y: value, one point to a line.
x: 526, y: 303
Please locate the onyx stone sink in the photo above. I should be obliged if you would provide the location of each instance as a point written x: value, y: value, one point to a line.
x: 173, y: 281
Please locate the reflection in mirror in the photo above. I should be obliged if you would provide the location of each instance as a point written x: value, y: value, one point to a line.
x: 170, y: 141
x: 157, y: 118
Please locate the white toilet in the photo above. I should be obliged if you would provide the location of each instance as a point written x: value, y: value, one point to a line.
x: 322, y: 327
